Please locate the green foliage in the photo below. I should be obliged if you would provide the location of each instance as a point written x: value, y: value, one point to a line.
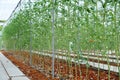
x: 2, y: 21
x: 1, y: 27
x: 87, y: 27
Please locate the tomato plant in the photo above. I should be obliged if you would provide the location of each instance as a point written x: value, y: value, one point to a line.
x: 90, y: 25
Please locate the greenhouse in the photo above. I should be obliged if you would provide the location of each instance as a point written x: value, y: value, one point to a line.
x: 63, y: 39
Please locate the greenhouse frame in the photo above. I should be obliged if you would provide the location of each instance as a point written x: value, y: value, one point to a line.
x: 66, y: 39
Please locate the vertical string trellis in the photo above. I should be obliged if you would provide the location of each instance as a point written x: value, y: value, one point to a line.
x: 79, y: 52
x: 19, y: 31
x: 116, y: 34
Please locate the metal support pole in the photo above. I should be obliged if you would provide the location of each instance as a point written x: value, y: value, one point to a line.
x: 53, y: 39
x: 30, y: 35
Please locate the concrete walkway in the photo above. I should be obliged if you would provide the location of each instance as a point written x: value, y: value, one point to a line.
x: 8, y: 71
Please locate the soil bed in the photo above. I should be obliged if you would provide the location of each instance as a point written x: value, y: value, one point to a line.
x: 64, y: 70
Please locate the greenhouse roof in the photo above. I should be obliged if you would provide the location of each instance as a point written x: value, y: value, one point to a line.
x: 6, y: 8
